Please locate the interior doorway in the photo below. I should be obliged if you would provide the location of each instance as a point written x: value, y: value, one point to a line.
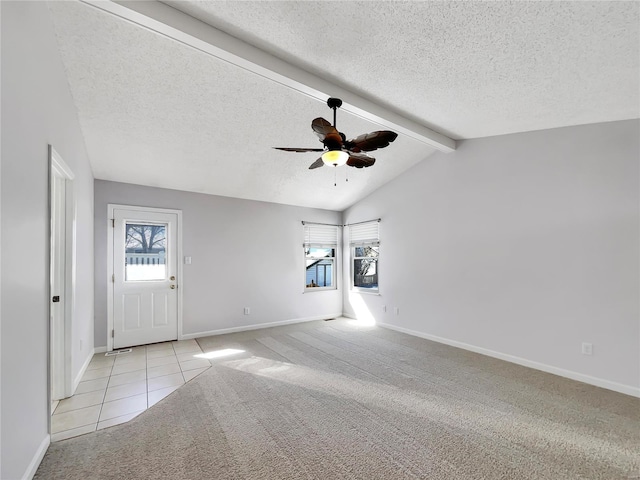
x: 62, y: 275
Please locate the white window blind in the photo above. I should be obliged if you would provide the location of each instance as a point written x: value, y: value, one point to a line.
x: 320, y: 235
x: 367, y: 233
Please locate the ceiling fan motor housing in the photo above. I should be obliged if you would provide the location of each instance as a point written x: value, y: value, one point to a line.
x: 333, y: 141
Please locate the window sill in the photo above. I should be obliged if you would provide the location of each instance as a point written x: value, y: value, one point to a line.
x: 365, y: 292
x: 320, y: 289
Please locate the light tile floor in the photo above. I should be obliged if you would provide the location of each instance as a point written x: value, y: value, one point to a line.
x: 117, y: 388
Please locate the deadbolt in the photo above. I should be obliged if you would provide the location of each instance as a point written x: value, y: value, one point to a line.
x: 172, y: 287
x: 172, y: 277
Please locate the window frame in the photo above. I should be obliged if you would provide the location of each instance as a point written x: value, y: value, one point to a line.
x: 333, y: 259
x: 367, y: 234
x: 166, y: 259
x: 354, y: 287
x: 317, y: 236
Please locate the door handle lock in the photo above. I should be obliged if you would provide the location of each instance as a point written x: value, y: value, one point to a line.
x: 172, y: 287
x: 172, y: 278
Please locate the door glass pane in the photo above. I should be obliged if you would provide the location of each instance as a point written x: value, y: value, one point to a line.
x: 145, y: 252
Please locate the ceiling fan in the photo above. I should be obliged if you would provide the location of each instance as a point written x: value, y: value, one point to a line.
x: 340, y: 151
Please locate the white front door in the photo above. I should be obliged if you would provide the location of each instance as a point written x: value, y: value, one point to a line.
x: 145, y: 261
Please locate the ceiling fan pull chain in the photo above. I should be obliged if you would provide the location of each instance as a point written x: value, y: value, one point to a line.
x: 335, y: 182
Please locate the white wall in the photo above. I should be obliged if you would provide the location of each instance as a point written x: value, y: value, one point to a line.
x: 230, y: 241
x: 37, y: 110
x: 523, y: 246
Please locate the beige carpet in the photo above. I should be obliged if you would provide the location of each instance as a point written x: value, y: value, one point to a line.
x: 332, y: 400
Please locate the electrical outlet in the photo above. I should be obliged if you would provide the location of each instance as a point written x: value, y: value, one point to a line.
x: 587, y: 348
x: 396, y: 310
x: 247, y: 310
x: 187, y: 260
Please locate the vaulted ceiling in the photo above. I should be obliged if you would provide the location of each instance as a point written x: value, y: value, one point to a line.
x: 192, y: 95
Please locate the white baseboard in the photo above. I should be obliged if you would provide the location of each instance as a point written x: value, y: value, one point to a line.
x: 598, y: 382
x: 37, y: 458
x: 349, y: 315
x: 80, y: 374
x: 222, y: 331
x: 83, y: 369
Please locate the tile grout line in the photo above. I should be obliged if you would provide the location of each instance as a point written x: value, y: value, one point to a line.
x: 113, y: 365
x: 179, y: 366
x: 109, y: 382
x: 146, y: 374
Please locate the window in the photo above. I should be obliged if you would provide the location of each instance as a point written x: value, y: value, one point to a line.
x: 365, y: 252
x: 145, y: 252
x: 320, y: 245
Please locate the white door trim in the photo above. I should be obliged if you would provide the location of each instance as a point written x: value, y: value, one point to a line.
x: 110, y: 216
x: 63, y: 348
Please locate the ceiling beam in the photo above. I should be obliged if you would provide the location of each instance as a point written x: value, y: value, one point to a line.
x: 169, y: 22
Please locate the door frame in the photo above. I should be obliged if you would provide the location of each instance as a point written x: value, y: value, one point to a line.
x: 60, y: 346
x: 110, y: 267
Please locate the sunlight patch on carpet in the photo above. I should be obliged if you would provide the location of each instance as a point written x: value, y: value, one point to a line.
x: 225, y: 352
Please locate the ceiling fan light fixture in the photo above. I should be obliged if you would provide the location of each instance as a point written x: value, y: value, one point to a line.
x: 335, y: 158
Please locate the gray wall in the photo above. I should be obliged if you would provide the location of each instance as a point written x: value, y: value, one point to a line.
x: 37, y: 109
x: 244, y: 254
x: 524, y: 245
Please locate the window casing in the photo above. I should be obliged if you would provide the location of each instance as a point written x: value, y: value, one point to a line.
x: 320, y: 248
x: 320, y: 268
x: 365, y: 253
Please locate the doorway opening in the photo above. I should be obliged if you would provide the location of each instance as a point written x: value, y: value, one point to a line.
x: 62, y: 275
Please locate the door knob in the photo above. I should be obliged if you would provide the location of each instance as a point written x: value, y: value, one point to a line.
x: 172, y: 278
x: 172, y: 287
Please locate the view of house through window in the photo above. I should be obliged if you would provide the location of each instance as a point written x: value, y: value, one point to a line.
x: 319, y: 267
x: 145, y: 252
x: 320, y: 246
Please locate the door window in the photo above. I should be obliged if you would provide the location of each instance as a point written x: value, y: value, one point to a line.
x: 145, y: 252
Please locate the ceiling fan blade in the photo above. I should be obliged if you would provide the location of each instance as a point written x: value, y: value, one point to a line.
x: 360, y: 160
x: 288, y: 149
x: 371, y: 141
x: 323, y: 128
x: 327, y: 133
x: 317, y: 164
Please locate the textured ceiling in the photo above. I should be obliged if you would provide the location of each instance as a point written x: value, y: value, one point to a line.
x: 157, y: 112
x: 464, y: 68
